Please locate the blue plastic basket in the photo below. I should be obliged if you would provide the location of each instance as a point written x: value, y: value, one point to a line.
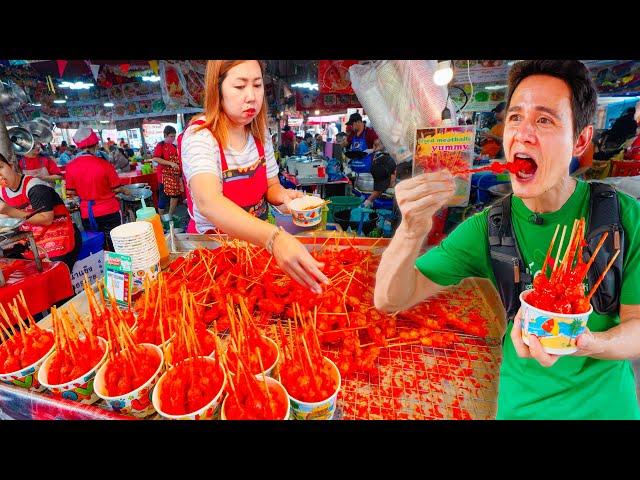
x: 92, y: 242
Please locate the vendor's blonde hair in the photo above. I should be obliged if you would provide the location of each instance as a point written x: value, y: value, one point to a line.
x: 215, y: 119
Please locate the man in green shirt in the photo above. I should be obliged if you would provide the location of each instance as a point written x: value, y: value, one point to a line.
x: 550, y: 107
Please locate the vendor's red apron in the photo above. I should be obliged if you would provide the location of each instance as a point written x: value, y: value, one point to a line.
x: 56, y: 239
x: 35, y: 172
x: 246, y: 187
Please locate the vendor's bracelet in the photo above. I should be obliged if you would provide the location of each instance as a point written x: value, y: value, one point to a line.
x: 272, y: 239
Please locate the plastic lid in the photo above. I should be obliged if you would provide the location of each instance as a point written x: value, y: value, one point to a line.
x: 146, y: 212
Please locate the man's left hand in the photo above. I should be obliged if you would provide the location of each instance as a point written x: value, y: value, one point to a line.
x: 534, y: 350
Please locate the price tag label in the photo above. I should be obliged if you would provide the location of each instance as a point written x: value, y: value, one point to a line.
x: 118, y: 277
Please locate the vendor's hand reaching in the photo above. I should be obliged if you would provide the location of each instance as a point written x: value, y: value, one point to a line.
x: 287, y: 196
x: 296, y: 261
x: 420, y: 197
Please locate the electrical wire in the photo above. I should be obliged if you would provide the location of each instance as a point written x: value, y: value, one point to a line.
x: 469, y: 77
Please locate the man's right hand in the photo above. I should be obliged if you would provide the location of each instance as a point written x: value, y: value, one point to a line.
x: 420, y: 197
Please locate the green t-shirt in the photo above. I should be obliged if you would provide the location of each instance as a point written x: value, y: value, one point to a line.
x: 574, y: 387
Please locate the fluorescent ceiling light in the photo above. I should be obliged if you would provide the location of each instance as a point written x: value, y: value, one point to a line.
x: 36, y: 104
x: 512, y: 62
x: 104, y: 121
x: 308, y: 85
x: 60, y: 100
x: 76, y: 85
x: 495, y: 87
x: 151, y: 78
x: 610, y: 100
x: 108, y: 104
x: 444, y: 73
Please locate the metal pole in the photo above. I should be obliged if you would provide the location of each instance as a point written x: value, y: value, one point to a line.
x: 143, y: 143
x: 6, y: 147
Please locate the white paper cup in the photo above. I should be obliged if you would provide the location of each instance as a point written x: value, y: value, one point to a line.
x: 79, y: 389
x: 208, y: 412
x: 275, y: 388
x: 27, y: 377
x: 308, y: 217
x: 322, y: 410
x: 138, y: 401
x: 557, y: 332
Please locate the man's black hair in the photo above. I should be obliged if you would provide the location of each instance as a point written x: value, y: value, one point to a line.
x: 574, y: 73
x: 168, y: 130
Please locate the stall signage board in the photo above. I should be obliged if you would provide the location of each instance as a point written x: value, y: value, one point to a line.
x: 438, y: 148
x: 118, y: 277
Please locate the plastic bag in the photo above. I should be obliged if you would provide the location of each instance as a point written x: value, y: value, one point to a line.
x: 399, y: 96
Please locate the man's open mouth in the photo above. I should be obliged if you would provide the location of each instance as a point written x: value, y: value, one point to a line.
x: 525, y: 166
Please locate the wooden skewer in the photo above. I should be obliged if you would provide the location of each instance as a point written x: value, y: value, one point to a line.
x: 556, y: 264
x: 595, y: 252
x: 548, y: 255
x: 111, y: 347
x: 79, y: 321
x: 602, y: 275
x: 266, y: 385
x: 16, y: 313
x: 568, y: 264
x: 4, y: 329
x: 3, y: 312
x: 569, y: 245
x: 26, y: 308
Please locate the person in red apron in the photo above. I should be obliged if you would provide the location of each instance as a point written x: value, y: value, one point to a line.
x: 35, y: 165
x: 231, y: 173
x: 52, y: 228
x: 165, y: 155
x: 95, y: 181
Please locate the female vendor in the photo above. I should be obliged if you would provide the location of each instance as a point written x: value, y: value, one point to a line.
x: 231, y: 172
x: 52, y: 228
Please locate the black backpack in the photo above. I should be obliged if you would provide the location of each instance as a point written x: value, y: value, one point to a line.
x: 512, y: 276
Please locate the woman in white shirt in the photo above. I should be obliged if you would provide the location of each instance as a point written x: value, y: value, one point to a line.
x: 231, y: 172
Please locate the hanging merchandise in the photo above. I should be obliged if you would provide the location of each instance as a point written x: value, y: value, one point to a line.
x: 95, y: 71
x: 399, y: 97
x: 175, y: 91
x: 154, y: 66
x: 333, y: 76
x: 386, y: 125
x: 62, y: 64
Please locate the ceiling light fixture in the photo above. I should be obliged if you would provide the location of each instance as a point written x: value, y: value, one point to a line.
x: 495, y: 87
x: 150, y: 78
x: 444, y: 73
x: 108, y: 104
x: 60, y: 100
x: 76, y: 85
x: 307, y: 85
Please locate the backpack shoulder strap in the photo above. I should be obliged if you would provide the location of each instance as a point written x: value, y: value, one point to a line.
x: 508, y: 266
x: 604, y: 216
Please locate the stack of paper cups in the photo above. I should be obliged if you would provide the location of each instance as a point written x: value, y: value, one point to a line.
x: 137, y: 240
